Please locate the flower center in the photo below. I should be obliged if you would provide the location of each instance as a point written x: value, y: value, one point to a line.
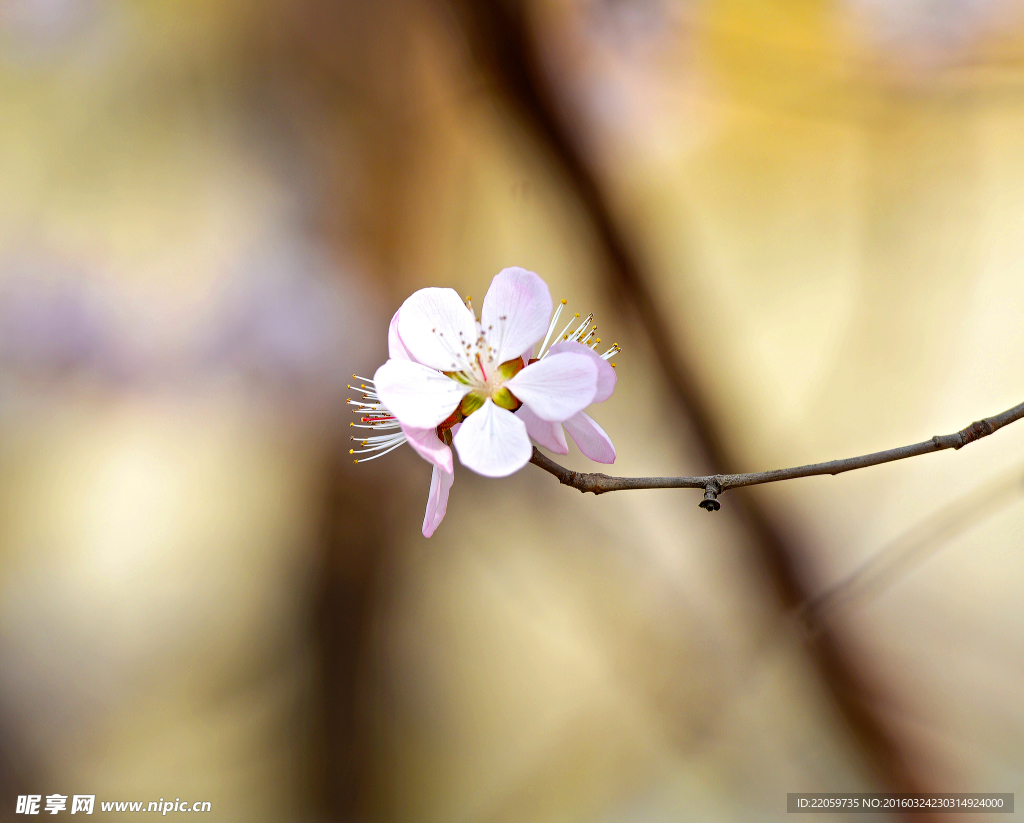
x: 487, y: 383
x: 474, y: 366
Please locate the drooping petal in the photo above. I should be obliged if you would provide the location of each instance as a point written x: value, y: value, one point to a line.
x: 555, y: 388
x: 516, y: 312
x: 591, y: 438
x: 417, y: 395
x: 437, y: 500
x: 429, y: 446
x: 493, y: 441
x: 547, y: 434
x: 396, y: 348
x: 435, y: 327
x: 606, y: 376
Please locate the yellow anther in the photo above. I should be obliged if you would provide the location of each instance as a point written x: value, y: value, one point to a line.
x: 351, y: 451
x: 575, y: 315
x: 355, y: 461
x: 598, y: 339
x: 613, y: 365
x: 563, y: 302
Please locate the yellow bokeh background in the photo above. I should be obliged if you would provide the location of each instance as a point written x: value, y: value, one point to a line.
x: 209, y: 212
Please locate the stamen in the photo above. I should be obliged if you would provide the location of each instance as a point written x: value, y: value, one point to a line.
x: 378, y: 438
x: 551, y: 328
x: 394, y: 440
x: 460, y: 361
x: 563, y: 334
x: 579, y: 329
x: 368, y: 459
x: 376, y: 417
x: 493, y: 343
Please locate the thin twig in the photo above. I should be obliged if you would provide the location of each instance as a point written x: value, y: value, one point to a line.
x: 716, y: 484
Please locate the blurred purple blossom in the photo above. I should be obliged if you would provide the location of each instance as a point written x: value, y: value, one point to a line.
x: 286, y: 320
x: 931, y: 32
x: 49, y: 321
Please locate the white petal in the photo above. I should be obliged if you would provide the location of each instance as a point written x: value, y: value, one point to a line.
x: 591, y: 438
x: 437, y: 500
x: 417, y: 395
x: 556, y: 387
x: 606, y: 376
x: 493, y: 442
x: 516, y: 312
x: 429, y: 446
x: 435, y: 326
x: 396, y: 348
x: 549, y: 435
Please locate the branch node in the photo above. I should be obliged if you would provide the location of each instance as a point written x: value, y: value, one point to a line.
x: 711, y: 491
x: 975, y: 431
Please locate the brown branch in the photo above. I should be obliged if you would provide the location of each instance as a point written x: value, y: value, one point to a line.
x: 716, y: 484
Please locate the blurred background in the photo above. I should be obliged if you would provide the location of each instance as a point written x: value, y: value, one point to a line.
x: 802, y: 220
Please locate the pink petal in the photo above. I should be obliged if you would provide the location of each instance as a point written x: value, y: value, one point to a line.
x: 417, y: 395
x: 516, y: 312
x: 549, y: 435
x: 493, y: 442
x: 430, y: 447
x: 396, y: 348
x: 591, y: 438
x: 435, y: 326
x: 437, y: 500
x: 606, y: 376
x: 556, y: 387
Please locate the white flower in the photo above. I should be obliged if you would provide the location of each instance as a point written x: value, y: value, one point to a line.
x: 452, y: 379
